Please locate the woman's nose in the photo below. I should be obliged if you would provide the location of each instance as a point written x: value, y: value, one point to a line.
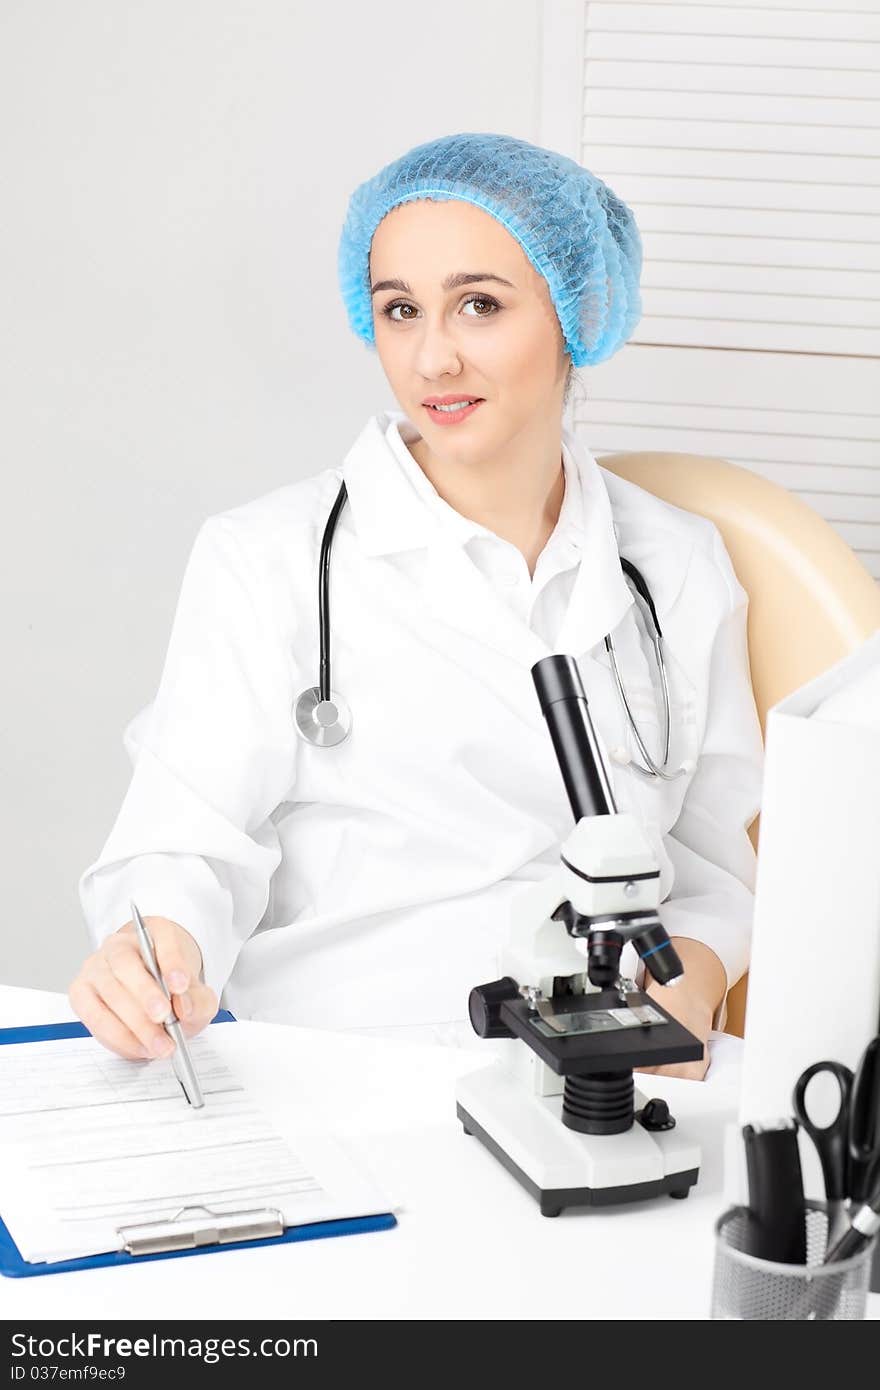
x: 437, y: 353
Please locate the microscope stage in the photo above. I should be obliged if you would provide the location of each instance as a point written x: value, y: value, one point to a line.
x: 558, y: 1165
x: 589, y: 1052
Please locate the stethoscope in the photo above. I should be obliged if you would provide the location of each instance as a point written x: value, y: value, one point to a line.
x: 323, y: 718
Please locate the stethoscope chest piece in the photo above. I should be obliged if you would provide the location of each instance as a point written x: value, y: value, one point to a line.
x: 322, y: 722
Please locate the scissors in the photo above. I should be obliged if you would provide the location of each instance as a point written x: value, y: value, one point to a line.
x: 848, y: 1147
x: 864, y: 1132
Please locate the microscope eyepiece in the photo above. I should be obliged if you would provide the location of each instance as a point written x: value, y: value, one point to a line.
x: 564, y: 706
x: 557, y: 678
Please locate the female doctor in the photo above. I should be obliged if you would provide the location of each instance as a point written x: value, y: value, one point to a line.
x: 350, y: 862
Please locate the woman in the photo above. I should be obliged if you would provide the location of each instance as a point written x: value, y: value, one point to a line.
x: 367, y: 885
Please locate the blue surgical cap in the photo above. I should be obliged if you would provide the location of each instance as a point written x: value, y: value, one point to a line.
x: 574, y: 230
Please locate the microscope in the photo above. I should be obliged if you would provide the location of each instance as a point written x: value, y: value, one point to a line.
x: 558, y: 1106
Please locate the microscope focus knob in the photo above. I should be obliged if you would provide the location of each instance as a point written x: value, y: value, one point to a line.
x: 655, y: 1115
x: 484, y: 1007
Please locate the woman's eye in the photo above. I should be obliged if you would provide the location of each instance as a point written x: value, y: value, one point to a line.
x: 487, y: 303
x: 388, y: 311
x: 484, y: 300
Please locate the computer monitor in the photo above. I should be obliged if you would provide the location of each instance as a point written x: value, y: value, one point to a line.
x: 814, y: 978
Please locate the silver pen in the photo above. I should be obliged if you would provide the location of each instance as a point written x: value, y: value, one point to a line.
x: 181, y: 1060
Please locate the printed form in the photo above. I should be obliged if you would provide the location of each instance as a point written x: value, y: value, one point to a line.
x: 91, y: 1143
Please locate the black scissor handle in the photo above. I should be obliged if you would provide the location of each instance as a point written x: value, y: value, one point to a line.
x: 864, y: 1133
x: 831, y: 1141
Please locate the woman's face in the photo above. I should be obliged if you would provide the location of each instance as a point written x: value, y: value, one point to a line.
x: 496, y: 337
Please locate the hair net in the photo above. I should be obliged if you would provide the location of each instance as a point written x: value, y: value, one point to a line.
x: 574, y: 230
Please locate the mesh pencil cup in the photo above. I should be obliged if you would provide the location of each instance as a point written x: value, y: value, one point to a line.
x: 747, y: 1288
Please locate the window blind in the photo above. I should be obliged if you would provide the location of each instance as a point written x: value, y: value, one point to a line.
x: 746, y: 140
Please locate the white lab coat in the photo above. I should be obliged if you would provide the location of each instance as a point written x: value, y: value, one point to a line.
x: 370, y: 883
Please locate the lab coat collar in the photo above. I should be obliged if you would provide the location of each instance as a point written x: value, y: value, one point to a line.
x: 600, y: 596
x: 390, y: 515
x: 387, y: 511
x: 389, y: 494
x: 401, y: 432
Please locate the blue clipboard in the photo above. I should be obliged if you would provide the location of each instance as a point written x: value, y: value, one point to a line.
x: 14, y: 1267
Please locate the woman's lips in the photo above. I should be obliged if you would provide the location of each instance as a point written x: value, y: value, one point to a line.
x: 451, y: 417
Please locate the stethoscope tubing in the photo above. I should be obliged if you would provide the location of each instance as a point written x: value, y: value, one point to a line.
x: 651, y: 769
x: 334, y: 714
x: 324, y: 594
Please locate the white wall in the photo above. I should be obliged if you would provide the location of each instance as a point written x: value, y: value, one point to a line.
x: 173, y: 342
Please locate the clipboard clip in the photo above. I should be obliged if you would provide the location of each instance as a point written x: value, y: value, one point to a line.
x: 191, y: 1227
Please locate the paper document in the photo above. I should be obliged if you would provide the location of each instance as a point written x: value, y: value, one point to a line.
x: 91, y: 1143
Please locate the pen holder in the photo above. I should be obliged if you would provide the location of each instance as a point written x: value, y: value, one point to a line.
x: 747, y: 1288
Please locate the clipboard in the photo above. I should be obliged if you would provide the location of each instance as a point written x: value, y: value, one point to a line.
x: 193, y: 1230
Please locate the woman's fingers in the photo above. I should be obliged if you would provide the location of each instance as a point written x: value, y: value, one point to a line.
x: 102, y: 1023
x: 179, y: 961
x: 124, y: 1007
x: 177, y: 954
x: 183, y: 1005
x: 688, y: 1071
x: 124, y: 999
x: 123, y: 959
x: 204, y: 1006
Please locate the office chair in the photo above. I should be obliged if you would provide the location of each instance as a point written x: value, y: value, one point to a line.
x: 811, y: 601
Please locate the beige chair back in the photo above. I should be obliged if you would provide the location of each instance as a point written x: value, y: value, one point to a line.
x: 811, y: 601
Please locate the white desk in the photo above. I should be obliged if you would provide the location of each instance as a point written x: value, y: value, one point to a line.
x: 470, y: 1243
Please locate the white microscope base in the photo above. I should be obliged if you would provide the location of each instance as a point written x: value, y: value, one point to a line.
x: 558, y: 1165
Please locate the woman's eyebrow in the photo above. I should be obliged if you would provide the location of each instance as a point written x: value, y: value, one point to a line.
x: 452, y: 282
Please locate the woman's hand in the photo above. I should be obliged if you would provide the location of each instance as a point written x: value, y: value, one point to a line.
x: 119, y: 1001
x: 693, y: 1002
